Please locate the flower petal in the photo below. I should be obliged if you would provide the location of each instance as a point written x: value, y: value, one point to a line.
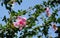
x: 16, y: 25
x: 20, y: 28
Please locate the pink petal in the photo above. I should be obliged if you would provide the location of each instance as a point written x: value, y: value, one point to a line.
x: 24, y: 23
x: 24, y: 18
x: 47, y: 9
x: 20, y: 28
x: 15, y: 24
x: 21, y: 22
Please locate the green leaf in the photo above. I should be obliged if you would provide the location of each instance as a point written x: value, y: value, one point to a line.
x: 58, y: 20
x: 4, y: 19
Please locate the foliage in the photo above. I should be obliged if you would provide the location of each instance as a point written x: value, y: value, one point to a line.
x: 31, y: 28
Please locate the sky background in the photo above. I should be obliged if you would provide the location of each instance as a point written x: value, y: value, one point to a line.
x: 24, y: 5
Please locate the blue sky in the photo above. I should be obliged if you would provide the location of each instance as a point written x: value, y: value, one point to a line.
x: 24, y: 5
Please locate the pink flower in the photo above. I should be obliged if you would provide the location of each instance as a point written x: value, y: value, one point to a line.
x: 47, y: 9
x: 54, y: 27
x: 20, y: 22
